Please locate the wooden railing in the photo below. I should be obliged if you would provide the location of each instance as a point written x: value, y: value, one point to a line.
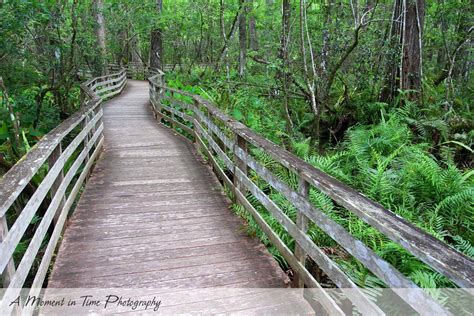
x: 64, y: 156
x: 141, y: 71
x: 227, y: 144
x: 135, y: 70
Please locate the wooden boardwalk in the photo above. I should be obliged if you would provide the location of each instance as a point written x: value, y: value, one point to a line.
x: 152, y: 215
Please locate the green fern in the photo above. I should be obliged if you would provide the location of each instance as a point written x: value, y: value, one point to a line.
x: 464, y: 246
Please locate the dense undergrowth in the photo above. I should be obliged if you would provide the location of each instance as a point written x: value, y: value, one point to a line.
x: 389, y: 156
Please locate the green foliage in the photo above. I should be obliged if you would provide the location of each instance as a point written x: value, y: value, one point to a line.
x: 391, y: 162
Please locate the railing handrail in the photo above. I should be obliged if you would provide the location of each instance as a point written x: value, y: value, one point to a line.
x: 49, y: 150
x: 417, y: 241
x: 15, y: 179
x: 443, y: 258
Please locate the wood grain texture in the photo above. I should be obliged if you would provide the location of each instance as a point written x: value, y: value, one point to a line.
x: 154, y: 215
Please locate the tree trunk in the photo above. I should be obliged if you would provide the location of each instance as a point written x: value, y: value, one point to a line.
x: 285, y: 32
x: 101, y: 40
x: 390, y: 85
x: 282, y: 72
x: 405, y: 41
x: 135, y: 49
x: 228, y: 38
x: 224, y: 39
x: 309, y: 77
x: 326, y: 38
x: 242, y: 38
x: 411, y: 63
x: 253, y: 31
x: 156, y: 47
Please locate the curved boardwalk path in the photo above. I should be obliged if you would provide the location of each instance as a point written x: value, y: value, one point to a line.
x: 153, y: 215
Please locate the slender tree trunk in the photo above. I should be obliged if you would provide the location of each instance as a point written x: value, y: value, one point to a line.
x: 253, y: 31
x: 242, y: 38
x: 282, y: 72
x: 310, y: 77
x: 452, y: 58
x: 101, y: 39
x: 225, y: 48
x: 355, y: 11
x: 124, y: 54
x: 156, y: 47
x: 405, y: 40
x: 201, y: 39
x: 392, y: 71
x: 224, y: 39
x: 135, y: 49
x: 441, y: 54
x: 325, y: 51
x: 411, y: 64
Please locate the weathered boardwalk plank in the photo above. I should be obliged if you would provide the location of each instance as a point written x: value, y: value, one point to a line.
x: 153, y: 215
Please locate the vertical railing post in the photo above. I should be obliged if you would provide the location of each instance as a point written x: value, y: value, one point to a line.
x: 218, y: 140
x: 158, y: 93
x: 110, y: 84
x: 82, y: 98
x: 195, y: 110
x: 209, y: 131
x: 302, y: 224
x: 239, y: 164
x: 92, y: 115
x: 9, y: 271
x: 172, y: 116
x: 153, y: 98
x: 59, y: 179
x: 86, y: 137
x: 151, y: 92
x: 122, y: 84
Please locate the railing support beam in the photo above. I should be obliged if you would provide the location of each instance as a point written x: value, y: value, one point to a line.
x: 196, y: 119
x: 54, y: 187
x: 9, y: 271
x: 239, y: 164
x: 302, y: 224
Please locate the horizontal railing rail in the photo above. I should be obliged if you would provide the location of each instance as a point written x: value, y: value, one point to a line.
x: 141, y: 71
x: 136, y: 70
x: 227, y: 143
x: 64, y: 173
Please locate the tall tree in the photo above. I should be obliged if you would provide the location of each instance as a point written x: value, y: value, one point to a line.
x: 227, y: 38
x: 405, y: 42
x: 135, y: 50
x: 310, y: 76
x: 282, y: 74
x: 156, y: 47
x: 101, y: 39
x: 224, y: 38
x: 253, y: 39
x: 412, y: 34
x: 243, y: 37
x: 392, y: 70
